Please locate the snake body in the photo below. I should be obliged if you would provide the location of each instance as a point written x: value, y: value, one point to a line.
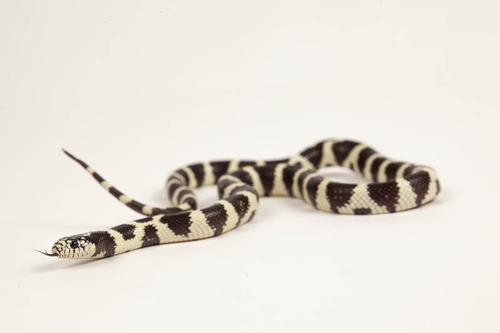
x: 391, y: 186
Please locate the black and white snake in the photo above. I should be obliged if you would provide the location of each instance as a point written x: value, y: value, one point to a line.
x: 391, y: 186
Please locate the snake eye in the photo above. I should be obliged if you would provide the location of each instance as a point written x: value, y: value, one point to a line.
x: 73, y: 244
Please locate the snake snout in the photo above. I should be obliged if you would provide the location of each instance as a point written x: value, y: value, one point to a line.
x: 55, y: 251
x: 72, y: 247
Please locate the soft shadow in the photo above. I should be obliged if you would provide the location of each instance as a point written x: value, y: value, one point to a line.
x: 62, y: 264
x: 341, y: 175
x: 160, y: 197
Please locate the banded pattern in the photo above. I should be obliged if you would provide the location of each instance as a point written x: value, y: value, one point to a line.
x: 229, y: 212
x: 122, y: 197
x: 392, y: 186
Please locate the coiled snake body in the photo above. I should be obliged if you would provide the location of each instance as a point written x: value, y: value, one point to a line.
x: 392, y: 186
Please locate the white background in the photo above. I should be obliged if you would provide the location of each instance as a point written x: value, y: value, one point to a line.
x: 140, y: 88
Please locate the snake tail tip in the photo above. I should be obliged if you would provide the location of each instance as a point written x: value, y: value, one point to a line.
x: 66, y: 151
x: 73, y: 157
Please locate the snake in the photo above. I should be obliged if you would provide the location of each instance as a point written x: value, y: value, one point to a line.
x: 389, y: 186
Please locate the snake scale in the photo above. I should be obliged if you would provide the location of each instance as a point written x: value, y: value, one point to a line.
x: 391, y: 186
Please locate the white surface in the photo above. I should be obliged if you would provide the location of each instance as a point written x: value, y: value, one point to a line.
x: 138, y: 89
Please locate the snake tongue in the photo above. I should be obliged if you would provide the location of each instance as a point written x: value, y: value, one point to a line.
x: 47, y: 254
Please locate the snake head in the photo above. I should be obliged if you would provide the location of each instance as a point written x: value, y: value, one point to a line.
x: 73, y: 247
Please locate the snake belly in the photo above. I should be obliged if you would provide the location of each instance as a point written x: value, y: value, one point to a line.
x: 391, y: 186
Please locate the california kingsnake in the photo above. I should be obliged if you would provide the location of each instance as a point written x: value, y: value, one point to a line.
x: 392, y: 186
